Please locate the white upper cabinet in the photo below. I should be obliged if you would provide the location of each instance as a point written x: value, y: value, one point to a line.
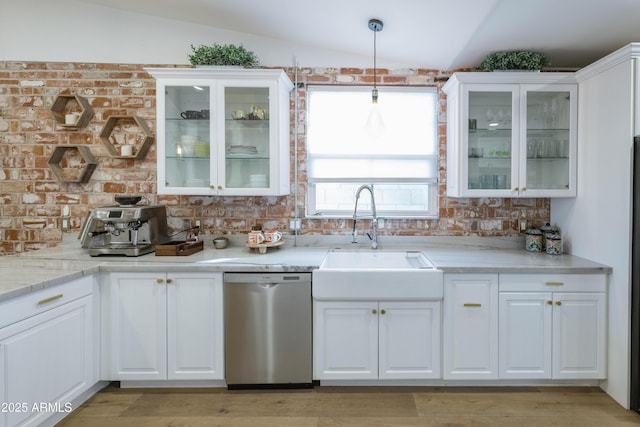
x: 223, y: 132
x: 511, y: 134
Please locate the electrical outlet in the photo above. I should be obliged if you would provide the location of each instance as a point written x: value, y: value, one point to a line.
x: 197, y: 223
x: 65, y: 223
x: 295, y: 224
x: 523, y: 225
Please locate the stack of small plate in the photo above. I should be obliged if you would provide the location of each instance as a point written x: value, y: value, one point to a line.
x: 243, y: 150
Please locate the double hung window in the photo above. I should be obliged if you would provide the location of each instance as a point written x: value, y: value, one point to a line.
x: 398, y: 158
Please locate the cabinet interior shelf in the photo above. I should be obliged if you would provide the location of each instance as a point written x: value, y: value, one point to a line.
x: 228, y: 157
x: 242, y: 157
x: 189, y: 157
x: 479, y: 159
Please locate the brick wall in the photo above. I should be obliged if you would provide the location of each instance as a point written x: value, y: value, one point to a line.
x: 32, y: 199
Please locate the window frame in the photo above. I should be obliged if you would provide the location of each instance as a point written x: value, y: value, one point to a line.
x: 432, y: 183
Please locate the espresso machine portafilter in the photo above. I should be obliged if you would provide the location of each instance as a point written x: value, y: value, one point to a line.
x: 124, y: 230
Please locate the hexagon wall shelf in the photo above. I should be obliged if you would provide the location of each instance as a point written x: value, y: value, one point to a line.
x: 59, y: 110
x: 57, y: 157
x: 139, y: 150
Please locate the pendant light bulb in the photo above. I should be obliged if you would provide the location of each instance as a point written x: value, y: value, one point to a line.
x: 374, y: 125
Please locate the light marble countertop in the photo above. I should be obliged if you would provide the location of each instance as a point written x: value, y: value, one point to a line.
x: 31, y: 271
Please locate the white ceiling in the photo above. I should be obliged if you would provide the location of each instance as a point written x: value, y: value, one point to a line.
x: 443, y: 34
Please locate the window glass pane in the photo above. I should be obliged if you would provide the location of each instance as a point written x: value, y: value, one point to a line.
x: 342, y: 153
x: 339, y: 117
x: 391, y: 199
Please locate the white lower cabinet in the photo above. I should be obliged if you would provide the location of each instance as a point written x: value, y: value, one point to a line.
x: 376, y: 340
x: 166, y: 326
x: 46, y: 352
x: 470, y: 326
x: 552, y: 326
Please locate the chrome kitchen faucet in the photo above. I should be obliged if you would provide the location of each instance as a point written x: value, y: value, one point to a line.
x: 374, y: 218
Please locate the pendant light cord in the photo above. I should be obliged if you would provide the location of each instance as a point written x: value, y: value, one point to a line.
x: 375, y: 33
x: 375, y: 25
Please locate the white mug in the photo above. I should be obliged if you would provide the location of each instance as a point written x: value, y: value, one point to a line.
x: 126, y: 150
x: 71, y: 118
x: 255, y: 237
x: 272, y: 236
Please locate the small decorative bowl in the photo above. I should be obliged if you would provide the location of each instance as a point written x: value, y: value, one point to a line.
x: 220, y: 242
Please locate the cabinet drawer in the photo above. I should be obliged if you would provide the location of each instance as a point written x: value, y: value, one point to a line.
x: 553, y: 282
x: 25, y: 306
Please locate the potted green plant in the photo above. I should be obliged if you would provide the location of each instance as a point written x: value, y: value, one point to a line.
x: 514, y: 60
x: 223, y: 55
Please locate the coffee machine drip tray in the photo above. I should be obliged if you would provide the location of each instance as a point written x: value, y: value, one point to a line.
x: 121, y: 249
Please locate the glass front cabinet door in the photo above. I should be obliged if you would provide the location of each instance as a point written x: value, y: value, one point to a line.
x: 222, y: 132
x: 511, y: 134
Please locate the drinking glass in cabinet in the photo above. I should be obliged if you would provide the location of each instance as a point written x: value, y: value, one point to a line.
x: 548, y: 110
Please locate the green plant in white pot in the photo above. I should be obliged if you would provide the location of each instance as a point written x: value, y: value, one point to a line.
x: 223, y: 55
x: 514, y: 60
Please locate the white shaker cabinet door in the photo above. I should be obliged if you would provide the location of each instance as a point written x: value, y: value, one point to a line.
x: 409, y: 340
x: 525, y: 334
x: 470, y: 326
x: 195, y: 332
x: 579, y: 335
x: 138, y: 326
x: 346, y: 340
x: 46, y: 359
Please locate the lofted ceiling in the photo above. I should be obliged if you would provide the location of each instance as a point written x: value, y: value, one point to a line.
x: 443, y: 34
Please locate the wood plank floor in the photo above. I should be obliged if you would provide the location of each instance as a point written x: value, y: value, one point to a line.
x: 354, y: 406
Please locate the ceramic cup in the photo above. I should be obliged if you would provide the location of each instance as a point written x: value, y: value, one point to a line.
x: 255, y: 237
x: 71, y: 118
x: 272, y: 236
x: 126, y: 150
x: 191, y: 114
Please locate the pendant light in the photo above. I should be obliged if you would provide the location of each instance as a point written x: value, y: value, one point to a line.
x: 374, y: 125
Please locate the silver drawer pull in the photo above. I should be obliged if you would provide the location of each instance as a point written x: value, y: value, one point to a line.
x: 472, y: 304
x: 554, y: 283
x: 50, y: 299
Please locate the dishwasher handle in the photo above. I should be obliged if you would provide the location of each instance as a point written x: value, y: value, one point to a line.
x: 268, y: 278
x: 267, y: 285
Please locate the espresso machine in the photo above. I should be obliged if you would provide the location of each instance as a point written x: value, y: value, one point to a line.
x: 128, y: 230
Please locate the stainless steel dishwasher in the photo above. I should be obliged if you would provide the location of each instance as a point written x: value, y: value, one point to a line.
x: 268, y: 330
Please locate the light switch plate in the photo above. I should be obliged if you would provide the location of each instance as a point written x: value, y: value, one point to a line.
x: 295, y: 224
